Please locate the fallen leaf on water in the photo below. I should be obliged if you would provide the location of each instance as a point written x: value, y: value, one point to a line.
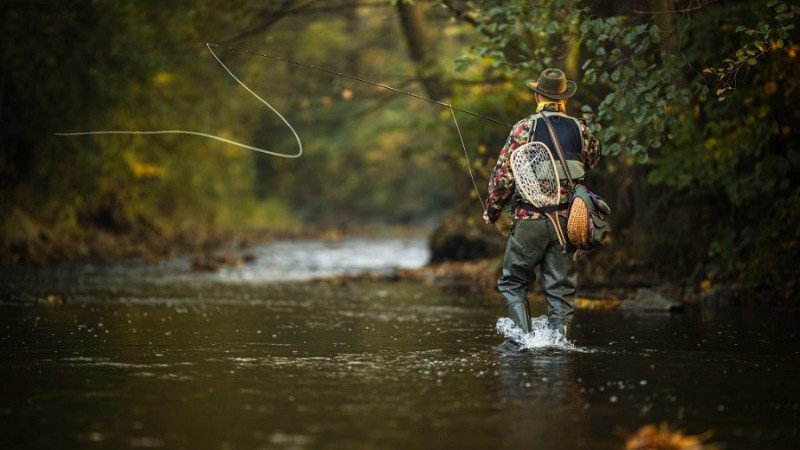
x: 652, y: 437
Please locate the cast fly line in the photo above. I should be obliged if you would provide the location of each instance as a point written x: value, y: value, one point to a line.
x: 299, y: 152
x: 207, y: 135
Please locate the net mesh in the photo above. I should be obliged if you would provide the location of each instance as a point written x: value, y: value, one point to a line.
x: 535, y: 174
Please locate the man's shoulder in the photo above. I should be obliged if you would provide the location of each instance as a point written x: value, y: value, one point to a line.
x: 521, y: 127
x: 525, y: 121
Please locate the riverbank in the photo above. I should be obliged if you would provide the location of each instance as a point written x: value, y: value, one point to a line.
x: 45, y: 247
x: 595, y: 292
x: 25, y: 241
x: 607, y: 277
x: 480, y: 276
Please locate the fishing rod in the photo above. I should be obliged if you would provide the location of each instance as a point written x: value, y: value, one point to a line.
x: 360, y: 80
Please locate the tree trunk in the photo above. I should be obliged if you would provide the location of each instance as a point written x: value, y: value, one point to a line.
x: 663, y: 12
x: 422, y: 50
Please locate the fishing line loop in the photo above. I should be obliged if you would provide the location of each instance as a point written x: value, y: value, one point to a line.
x: 206, y: 135
x: 209, y: 46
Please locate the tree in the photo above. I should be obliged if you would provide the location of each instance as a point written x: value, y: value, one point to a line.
x: 422, y: 49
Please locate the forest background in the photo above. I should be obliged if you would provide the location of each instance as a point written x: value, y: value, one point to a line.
x: 693, y: 100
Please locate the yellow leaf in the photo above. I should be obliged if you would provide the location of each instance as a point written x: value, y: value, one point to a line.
x: 144, y: 170
x: 163, y: 78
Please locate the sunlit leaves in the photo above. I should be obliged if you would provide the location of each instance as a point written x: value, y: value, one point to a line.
x: 759, y: 41
x: 518, y: 35
x: 644, y: 96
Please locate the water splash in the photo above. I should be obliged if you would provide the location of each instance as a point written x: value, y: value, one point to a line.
x: 540, y: 336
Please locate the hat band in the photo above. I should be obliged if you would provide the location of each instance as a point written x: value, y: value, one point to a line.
x: 548, y: 91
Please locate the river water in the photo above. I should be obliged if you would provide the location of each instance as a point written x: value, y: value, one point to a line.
x: 158, y: 356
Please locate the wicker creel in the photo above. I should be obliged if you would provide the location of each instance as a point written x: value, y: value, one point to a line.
x: 578, y: 222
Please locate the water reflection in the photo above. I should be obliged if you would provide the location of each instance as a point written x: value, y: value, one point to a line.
x: 144, y: 358
x: 534, y: 387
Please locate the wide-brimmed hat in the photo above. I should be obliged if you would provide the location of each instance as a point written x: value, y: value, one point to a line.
x: 552, y: 83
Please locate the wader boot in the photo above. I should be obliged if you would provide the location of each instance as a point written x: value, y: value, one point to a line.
x: 520, y: 313
x: 534, y: 242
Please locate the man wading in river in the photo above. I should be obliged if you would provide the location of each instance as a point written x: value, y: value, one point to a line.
x: 533, y: 240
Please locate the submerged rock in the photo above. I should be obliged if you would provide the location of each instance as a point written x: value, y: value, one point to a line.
x: 213, y: 263
x: 651, y: 300
x: 452, y: 242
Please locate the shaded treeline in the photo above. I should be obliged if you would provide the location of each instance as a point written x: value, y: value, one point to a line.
x: 694, y: 102
x: 371, y: 156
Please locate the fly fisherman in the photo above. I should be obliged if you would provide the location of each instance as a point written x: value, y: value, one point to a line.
x: 533, y: 240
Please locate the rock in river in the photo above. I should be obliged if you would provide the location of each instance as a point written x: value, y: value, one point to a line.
x: 651, y: 300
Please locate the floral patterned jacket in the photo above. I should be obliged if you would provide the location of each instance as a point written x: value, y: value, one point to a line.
x: 501, y: 183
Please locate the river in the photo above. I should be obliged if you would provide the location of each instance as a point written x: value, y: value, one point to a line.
x: 136, y: 355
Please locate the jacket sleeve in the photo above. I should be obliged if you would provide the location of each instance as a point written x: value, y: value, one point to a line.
x: 501, y: 183
x: 590, y: 153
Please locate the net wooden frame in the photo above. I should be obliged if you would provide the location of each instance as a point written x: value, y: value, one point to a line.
x: 535, y: 174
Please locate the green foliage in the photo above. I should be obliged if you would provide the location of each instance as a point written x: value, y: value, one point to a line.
x: 371, y: 156
x: 519, y: 37
x: 644, y: 93
x: 769, y: 35
x: 740, y: 156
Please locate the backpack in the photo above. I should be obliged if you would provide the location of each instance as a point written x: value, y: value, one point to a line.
x: 587, y: 227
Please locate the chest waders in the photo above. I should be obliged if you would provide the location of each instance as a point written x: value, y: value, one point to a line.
x: 532, y: 243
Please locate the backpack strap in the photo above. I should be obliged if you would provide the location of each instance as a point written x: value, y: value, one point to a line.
x: 532, y: 130
x: 580, y: 132
x: 557, y: 146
